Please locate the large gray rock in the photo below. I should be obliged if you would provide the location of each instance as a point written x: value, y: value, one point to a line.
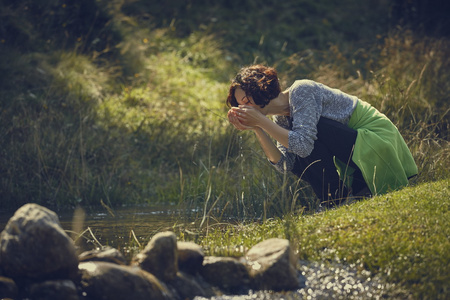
x: 160, y: 256
x: 227, y: 273
x: 272, y: 265
x: 107, y: 254
x: 190, y: 257
x: 33, y: 245
x: 108, y: 281
x: 55, y: 290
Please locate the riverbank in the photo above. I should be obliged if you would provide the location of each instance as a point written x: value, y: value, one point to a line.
x: 402, y: 236
x: 393, y: 246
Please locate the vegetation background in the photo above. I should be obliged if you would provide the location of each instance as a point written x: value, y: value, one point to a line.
x: 122, y: 102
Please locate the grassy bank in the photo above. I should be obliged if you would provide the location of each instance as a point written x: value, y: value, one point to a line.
x: 403, y: 236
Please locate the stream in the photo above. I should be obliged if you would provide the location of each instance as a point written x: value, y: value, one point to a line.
x: 127, y: 227
x: 122, y: 228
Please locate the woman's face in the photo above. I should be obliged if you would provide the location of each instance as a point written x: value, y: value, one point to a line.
x: 242, y: 99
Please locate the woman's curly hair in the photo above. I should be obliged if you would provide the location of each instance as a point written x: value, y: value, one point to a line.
x: 257, y: 81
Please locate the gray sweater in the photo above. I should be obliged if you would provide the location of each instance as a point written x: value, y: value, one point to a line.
x: 308, y: 101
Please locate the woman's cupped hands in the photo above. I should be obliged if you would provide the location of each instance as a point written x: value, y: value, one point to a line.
x: 244, y: 117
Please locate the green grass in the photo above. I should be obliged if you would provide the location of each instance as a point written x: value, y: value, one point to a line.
x: 402, y: 235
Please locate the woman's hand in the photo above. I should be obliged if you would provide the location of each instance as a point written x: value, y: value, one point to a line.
x: 234, y: 119
x: 248, y: 115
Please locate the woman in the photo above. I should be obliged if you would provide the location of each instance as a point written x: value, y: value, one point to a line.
x: 339, y: 144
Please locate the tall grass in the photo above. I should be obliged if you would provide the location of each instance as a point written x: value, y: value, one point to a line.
x: 120, y: 107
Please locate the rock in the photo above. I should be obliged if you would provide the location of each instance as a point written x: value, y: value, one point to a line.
x: 8, y: 288
x: 160, y: 256
x: 33, y: 245
x: 190, y: 257
x: 272, y: 265
x: 107, y: 254
x: 227, y: 273
x: 186, y: 286
x: 108, y: 281
x: 55, y: 290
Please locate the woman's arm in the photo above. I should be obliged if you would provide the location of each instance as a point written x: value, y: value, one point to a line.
x: 280, y: 134
x: 269, y: 148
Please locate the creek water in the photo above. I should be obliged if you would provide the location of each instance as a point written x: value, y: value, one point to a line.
x: 122, y: 228
x: 127, y: 227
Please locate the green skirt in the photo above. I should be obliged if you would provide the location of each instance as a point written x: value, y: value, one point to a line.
x: 380, y: 152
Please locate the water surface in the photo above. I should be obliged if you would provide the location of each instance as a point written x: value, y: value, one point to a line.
x: 121, y: 228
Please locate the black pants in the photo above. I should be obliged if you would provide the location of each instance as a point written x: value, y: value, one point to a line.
x: 334, y: 139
